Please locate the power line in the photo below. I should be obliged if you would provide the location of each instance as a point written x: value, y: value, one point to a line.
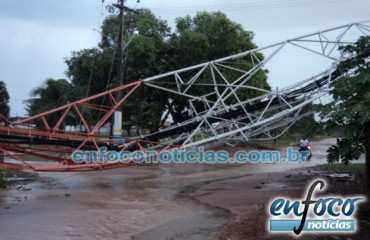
x: 17, y: 99
x: 261, y: 5
x: 267, y: 4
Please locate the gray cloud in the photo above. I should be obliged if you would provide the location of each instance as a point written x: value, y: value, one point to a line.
x: 36, y: 35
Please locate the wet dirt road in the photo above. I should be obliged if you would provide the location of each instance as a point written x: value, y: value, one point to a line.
x: 127, y: 203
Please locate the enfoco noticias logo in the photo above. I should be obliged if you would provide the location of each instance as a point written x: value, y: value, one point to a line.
x: 329, y: 214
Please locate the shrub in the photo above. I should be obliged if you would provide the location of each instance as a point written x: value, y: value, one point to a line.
x: 3, y: 182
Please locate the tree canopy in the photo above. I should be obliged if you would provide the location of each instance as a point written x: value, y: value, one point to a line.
x: 350, y: 110
x: 4, y: 100
x: 52, y: 94
x: 155, y: 50
x: 212, y: 35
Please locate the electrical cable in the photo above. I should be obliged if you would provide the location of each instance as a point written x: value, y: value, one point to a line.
x: 245, y: 6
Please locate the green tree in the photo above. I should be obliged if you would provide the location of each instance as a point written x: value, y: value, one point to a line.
x: 350, y: 110
x: 52, y: 94
x: 156, y: 50
x: 209, y: 36
x: 93, y: 70
x: 220, y: 35
x: 4, y: 100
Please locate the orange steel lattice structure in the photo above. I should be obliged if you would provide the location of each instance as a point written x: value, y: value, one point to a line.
x: 54, y: 143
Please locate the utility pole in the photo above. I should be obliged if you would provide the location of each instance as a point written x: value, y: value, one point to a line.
x: 120, y: 48
x: 116, y: 127
x: 120, y: 5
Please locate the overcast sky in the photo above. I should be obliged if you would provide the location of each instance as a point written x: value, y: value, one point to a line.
x: 36, y: 35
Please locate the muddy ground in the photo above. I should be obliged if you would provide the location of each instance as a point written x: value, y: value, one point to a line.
x: 174, y: 201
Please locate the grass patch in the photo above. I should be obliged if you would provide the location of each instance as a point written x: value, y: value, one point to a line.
x: 11, y: 173
x: 3, y: 182
x: 341, y: 167
x: 19, y: 173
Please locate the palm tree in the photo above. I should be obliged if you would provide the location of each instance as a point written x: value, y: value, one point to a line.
x: 53, y: 94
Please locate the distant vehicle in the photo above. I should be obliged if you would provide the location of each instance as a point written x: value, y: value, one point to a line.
x: 305, y: 151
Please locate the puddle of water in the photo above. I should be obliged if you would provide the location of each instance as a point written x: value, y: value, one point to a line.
x: 338, y: 175
x: 19, y: 179
x: 196, y: 225
x: 276, y: 185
